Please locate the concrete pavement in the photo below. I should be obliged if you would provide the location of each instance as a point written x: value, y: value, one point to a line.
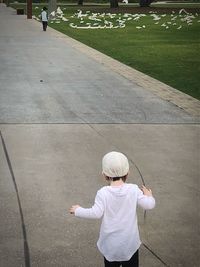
x: 47, y: 80
x: 61, y: 109
x: 56, y: 166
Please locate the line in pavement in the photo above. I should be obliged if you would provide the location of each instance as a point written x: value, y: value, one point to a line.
x: 26, y: 247
x: 153, y: 253
x: 99, y: 123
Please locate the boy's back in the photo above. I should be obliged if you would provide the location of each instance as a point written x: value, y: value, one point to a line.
x: 44, y: 16
x: 119, y: 228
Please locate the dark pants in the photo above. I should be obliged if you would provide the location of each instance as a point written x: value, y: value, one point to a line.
x: 133, y: 262
x: 44, y: 24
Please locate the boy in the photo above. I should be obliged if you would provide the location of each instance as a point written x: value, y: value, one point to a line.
x: 44, y: 18
x: 119, y: 239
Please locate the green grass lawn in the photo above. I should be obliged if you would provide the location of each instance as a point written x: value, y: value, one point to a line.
x: 170, y: 55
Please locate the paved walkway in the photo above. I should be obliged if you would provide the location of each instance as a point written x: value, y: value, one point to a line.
x: 62, y: 107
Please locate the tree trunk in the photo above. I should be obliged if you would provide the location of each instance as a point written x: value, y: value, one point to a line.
x: 145, y: 3
x: 114, y: 3
x: 29, y: 9
x: 80, y: 2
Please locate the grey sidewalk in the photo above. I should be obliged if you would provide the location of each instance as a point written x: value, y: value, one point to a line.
x: 62, y: 107
x: 46, y: 80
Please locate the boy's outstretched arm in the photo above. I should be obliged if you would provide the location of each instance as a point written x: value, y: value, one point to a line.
x: 95, y: 212
x: 145, y: 198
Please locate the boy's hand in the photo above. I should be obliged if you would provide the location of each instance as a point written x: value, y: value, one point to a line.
x: 73, y: 208
x: 146, y: 192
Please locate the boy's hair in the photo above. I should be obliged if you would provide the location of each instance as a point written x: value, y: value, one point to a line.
x: 44, y: 8
x: 117, y: 178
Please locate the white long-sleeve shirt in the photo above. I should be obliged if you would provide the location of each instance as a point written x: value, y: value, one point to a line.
x: 119, y: 236
x: 44, y: 16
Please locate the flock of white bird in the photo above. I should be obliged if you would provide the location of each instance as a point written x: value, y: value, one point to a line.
x: 89, y: 20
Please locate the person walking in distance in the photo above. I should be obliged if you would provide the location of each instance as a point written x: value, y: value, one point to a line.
x: 44, y: 18
x: 116, y: 204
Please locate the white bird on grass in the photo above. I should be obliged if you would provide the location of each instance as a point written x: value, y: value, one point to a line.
x: 53, y: 13
x: 106, y: 22
x: 137, y: 18
x: 126, y: 15
x: 183, y: 11
x: 102, y: 15
x: 155, y: 17
x: 59, y: 11
x: 94, y: 18
x: 64, y: 19
x: 80, y: 14
x: 174, y: 18
x: 188, y: 18
x: 73, y: 25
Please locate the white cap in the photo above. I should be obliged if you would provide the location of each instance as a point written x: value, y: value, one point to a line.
x: 115, y: 164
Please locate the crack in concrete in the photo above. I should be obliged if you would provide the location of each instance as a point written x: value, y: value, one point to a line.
x: 23, y: 226
x: 155, y: 255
